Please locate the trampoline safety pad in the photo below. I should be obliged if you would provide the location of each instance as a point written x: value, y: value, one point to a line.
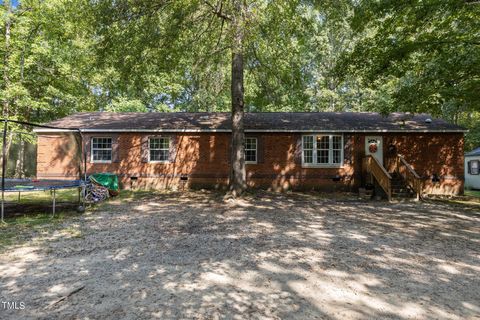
x: 26, y: 185
x: 15, y: 185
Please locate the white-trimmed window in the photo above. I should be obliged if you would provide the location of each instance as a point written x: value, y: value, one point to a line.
x: 322, y: 150
x: 159, y: 149
x: 250, y: 150
x: 474, y: 167
x: 101, y: 149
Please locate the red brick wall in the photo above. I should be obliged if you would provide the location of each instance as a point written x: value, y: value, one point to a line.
x: 57, y: 156
x: 429, y: 154
x: 204, y: 159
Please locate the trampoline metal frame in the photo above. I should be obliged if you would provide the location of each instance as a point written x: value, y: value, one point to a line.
x: 51, y: 188
x: 81, y: 186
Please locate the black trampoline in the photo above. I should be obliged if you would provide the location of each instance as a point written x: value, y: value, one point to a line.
x: 26, y: 185
x: 22, y: 185
x: 30, y: 185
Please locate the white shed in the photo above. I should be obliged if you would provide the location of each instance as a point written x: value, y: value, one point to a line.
x: 472, y: 168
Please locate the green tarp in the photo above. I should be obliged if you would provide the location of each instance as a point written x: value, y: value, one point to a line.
x: 108, y: 180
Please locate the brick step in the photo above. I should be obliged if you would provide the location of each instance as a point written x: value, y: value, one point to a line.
x: 365, y: 194
x: 399, y: 185
x: 403, y: 192
x: 402, y: 188
x: 403, y: 196
x: 399, y: 188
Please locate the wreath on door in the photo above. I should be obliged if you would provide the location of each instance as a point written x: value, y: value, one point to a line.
x: 373, y: 148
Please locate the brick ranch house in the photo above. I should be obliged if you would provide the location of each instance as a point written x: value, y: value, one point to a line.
x: 323, y: 150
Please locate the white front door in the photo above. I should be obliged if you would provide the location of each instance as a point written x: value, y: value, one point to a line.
x: 374, y: 147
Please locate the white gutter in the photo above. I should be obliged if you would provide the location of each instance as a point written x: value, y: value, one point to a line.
x: 54, y: 130
x: 248, y: 130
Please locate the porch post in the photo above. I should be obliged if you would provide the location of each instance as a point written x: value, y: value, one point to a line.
x: 53, y: 207
x: 4, y: 162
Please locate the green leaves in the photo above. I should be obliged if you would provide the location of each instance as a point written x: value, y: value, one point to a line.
x: 429, y: 45
x: 48, y: 61
x: 425, y: 55
x: 418, y: 56
x: 190, y: 42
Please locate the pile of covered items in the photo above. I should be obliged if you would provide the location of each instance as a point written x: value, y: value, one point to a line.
x: 101, y: 186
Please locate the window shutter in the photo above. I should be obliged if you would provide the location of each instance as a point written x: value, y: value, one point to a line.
x: 115, y: 149
x: 260, y: 149
x: 144, y: 148
x: 298, y: 150
x: 469, y: 164
x: 347, y: 151
x: 229, y: 150
x: 172, y: 154
x: 87, y: 142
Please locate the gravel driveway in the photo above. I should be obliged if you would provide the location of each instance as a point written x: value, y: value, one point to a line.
x: 270, y: 256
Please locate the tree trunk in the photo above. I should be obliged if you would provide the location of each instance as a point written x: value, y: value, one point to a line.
x: 20, y: 165
x: 8, y: 146
x: 6, y: 78
x: 238, y: 179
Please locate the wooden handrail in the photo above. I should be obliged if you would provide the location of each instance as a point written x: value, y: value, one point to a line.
x: 385, y: 172
x: 380, y: 174
x: 409, y: 175
x: 408, y: 166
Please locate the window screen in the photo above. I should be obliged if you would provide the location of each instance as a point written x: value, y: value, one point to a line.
x: 101, y: 149
x: 159, y: 149
x: 322, y: 149
x: 251, y: 150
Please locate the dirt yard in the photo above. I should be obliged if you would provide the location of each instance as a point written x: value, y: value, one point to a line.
x: 270, y: 256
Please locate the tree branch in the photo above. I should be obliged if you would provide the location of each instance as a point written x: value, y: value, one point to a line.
x: 217, y: 10
x: 221, y: 32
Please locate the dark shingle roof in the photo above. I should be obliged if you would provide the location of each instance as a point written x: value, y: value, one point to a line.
x: 474, y: 152
x: 264, y: 121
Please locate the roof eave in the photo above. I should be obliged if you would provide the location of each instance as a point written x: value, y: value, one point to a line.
x: 90, y: 130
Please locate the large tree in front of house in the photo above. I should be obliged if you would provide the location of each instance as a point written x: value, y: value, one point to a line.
x: 194, y: 40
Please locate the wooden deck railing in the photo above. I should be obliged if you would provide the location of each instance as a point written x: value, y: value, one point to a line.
x: 380, y: 174
x: 409, y: 175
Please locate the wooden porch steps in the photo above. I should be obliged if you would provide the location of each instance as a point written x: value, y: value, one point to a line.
x: 400, y: 189
x: 402, y: 183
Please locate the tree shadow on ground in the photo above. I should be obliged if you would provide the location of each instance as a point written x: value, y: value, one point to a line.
x: 270, y: 255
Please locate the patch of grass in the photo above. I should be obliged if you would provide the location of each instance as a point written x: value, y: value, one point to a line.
x: 20, y: 229
x: 472, y: 193
x: 130, y: 195
x: 40, y: 197
x: 73, y: 232
x: 7, y: 237
x: 32, y: 220
x: 465, y: 202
